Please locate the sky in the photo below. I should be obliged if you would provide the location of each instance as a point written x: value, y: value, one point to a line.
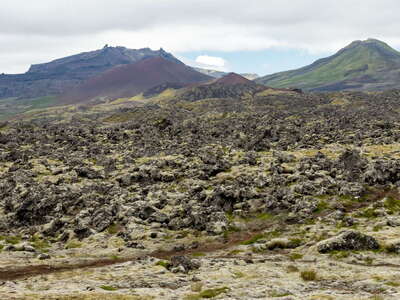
x: 252, y: 36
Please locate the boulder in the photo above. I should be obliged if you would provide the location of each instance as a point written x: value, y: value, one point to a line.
x: 181, y: 262
x: 393, y: 246
x: 51, y: 228
x: 25, y: 247
x: 10, y: 248
x: 43, y: 256
x: 393, y: 221
x: 89, y: 173
x: 348, y: 240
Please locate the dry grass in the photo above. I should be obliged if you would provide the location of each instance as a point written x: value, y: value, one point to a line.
x: 271, y: 92
x: 340, y: 101
x: 308, y: 275
x: 381, y: 150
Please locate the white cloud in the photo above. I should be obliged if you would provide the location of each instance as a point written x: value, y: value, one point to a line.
x: 211, y: 61
x: 36, y: 31
x: 194, y: 63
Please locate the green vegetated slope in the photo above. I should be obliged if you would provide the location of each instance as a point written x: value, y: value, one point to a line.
x: 362, y: 65
x: 10, y: 107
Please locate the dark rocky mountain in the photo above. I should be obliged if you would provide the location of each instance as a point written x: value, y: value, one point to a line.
x: 363, y: 65
x: 61, y: 74
x: 131, y: 79
x: 230, y: 86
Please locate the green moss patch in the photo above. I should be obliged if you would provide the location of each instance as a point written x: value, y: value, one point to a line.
x: 108, y: 288
x: 162, y: 263
x: 208, y: 294
x: 392, y: 204
x: 254, y: 239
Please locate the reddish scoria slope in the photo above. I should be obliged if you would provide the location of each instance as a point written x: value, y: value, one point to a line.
x: 132, y: 79
x: 233, y: 79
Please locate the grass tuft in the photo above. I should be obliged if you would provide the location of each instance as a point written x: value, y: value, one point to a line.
x: 108, y: 288
x: 162, y: 263
x: 11, y: 239
x: 73, y: 244
x: 113, y: 229
x: 392, y: 204
x: 295, y: 256
x: 308, y: 275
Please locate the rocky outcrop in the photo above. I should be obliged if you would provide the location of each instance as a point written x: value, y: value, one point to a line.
x: 349, y: 240
x: 182, y: 264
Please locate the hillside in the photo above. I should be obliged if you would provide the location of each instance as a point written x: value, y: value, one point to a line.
x: 362, y: 65
x: 231, y: 85
x: 131, y: 79
x: 233, y: 79
x: 219, y: 74
x: 54, y: 77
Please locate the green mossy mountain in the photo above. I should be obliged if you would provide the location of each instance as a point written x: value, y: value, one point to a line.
x: 362, y: 65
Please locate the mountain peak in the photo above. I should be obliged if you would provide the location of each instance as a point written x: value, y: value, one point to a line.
x: 368, y: 43
x: 362, y: 65
x: 373, y: 40
x: 232, y: 79
x: 64, y: 73
x: 101, y: 59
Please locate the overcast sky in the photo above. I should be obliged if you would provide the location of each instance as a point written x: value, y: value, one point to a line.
x: 262, y: 36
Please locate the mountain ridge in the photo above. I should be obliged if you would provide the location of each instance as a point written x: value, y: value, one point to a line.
x: 219, y: 74
x: 56, y: 76
x: 362, y: 65
x: 103, y: 58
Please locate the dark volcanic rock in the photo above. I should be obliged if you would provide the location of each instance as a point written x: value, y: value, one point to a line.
x: 193, y: 164
x: 348, y: 240
x: 183, y: 262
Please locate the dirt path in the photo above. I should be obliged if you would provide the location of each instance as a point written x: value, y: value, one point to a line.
x: 7, y: 274
x: 35, y: 270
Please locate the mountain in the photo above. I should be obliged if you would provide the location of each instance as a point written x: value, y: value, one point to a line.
x: 250, y: 76
x: 88, y: 64
x: 219, y: 74
x: 212, y: 73
x: 62, y: 74
x: 131, y: 79
x: 362, y: 65
x: 233, y: 79
x: 231, y: 85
